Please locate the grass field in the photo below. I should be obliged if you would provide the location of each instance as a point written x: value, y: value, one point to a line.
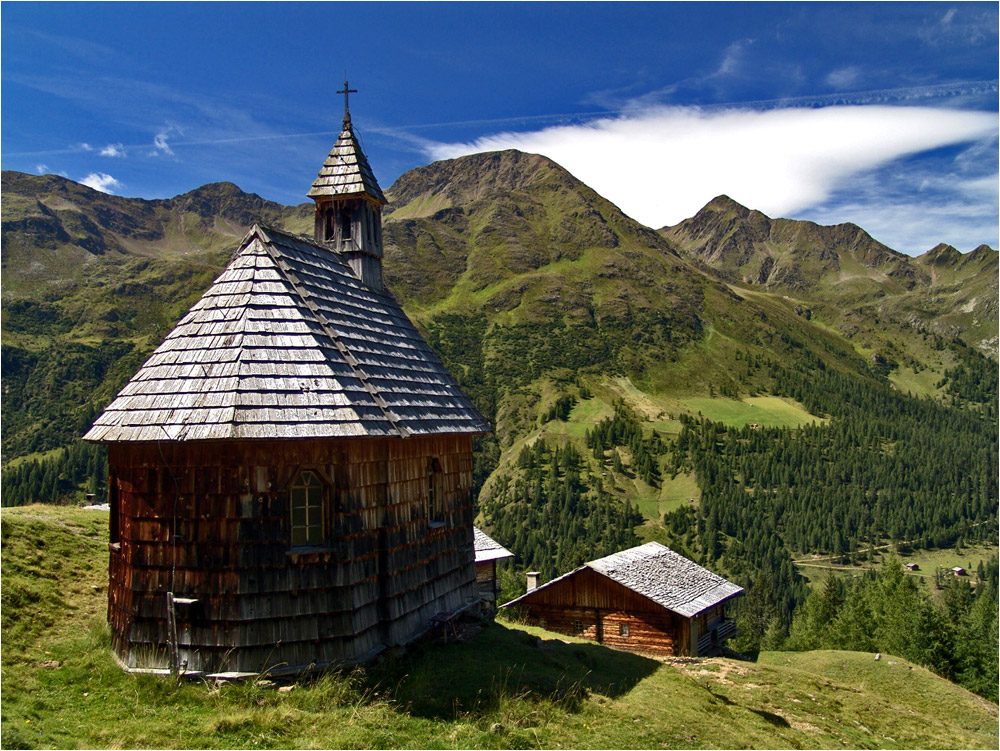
x: 818, y: 569
x: 503, y: 686
x: 766, y: 411
x: 923, y: 383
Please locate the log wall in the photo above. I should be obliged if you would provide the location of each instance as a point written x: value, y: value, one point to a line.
x: 592, y: 606
x: 211, y: 522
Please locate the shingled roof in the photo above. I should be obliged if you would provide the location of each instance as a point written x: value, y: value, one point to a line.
x: 346, y: 171
x: 488, y: 549
x: 658, y: 573
x: 287, y: 343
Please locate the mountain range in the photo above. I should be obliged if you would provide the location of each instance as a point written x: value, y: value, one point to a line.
x: 520, y: 274
x: 747, y: 390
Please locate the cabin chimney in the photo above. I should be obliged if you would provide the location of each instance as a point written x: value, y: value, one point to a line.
x: 533, y: 579
x: 349, y: 205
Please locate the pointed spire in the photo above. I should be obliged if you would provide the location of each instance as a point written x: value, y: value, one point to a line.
x: 346, y: 171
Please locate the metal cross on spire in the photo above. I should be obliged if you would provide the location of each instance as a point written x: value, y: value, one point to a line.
x: 347, y: 91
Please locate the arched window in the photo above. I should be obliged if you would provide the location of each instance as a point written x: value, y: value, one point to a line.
x: 306, y: 504
x: 330, y: 226
x: 345, y: 224
x: 435, y: 493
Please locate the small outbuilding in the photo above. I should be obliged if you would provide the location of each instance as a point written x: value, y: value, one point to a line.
x: 488, y: 552
x: 958, y: 571
x: 647, y: 599
x: 911, y: 566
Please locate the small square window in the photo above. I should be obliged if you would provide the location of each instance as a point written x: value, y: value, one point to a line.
x: 577, y: 627
x: 623, y: 629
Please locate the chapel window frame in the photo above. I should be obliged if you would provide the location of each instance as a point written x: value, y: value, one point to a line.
x: 311, y: 487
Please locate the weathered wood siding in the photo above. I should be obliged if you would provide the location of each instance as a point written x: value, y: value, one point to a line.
x: 599, y: 606
x: 486, y: 580
x: 210, y: 521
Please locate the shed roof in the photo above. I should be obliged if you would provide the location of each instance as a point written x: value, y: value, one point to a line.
x: 658, y: 573
x: 488, y: 549
x: 346, y: 171
x: 287, y: 343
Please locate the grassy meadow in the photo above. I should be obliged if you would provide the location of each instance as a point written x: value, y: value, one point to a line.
x: 817, y: 569
x: 502, y: 686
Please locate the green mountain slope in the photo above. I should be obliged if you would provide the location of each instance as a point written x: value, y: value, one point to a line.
x: 500, y: 687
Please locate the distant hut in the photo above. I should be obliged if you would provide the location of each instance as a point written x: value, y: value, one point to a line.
x: 647, y: 599
x: 911, y: 566
x: 290, y: 472
x: 488, y: 552
x: 958, y: 571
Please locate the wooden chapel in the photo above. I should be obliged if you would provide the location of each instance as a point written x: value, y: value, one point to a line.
x: 290, y: 472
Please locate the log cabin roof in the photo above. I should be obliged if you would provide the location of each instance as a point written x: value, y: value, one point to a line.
x: 661, y: 575
x: 287, y: 343
x: 488, y: 549
x: 346, y: 170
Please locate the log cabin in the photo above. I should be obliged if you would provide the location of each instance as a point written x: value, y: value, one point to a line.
x: 290, y: 472
x: 488, y: 552
x: 648, y: 600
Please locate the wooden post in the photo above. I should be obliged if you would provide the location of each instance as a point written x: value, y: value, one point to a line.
x: 175, y: 668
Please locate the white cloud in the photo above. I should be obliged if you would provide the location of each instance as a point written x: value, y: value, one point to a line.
x: 102, y: 182
x: 663, y: 164
x: 41, y: 169
x: 113, y: 149
x: 85, y: 146
x: 160, y: 145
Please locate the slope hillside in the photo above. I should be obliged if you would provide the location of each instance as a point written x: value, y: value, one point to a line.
x: 521, y: 274
x: 500, y: 686
x: 746, y: 246
x: 464, y: 228
x: 867, y: 291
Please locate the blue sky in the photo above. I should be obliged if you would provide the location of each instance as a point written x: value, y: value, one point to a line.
x: 882, y: 114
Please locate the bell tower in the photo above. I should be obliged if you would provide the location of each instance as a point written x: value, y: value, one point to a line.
x: 349, y: 205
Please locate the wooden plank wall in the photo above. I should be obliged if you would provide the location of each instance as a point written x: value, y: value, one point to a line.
x: 381, y: 577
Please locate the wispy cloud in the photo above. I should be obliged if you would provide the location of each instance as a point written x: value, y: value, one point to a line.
x: 663, y: 164
x: 41, y: 169
x: 843, y: 78
x: 160, y: 145
x: 969, y: 24
x: 113, y: 150
x: 102, y: 182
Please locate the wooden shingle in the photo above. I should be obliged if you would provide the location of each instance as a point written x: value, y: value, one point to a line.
x: 287, y: 343
x: 346, y: 170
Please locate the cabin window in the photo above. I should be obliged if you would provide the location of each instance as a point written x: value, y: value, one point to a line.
x: 577, y: 627
x: 435, y: 493
x: 307, y: 510
x: 623, y: 629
